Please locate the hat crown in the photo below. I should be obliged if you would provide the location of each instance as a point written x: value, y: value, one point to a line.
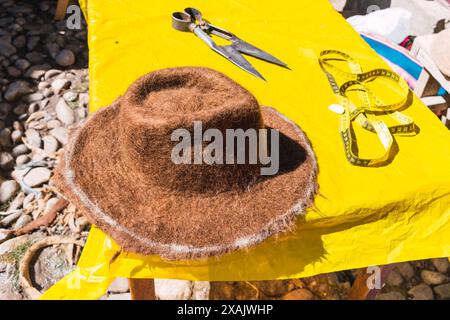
x: 163, y: 101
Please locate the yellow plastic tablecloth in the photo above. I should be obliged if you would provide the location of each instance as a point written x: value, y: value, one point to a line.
x: 362, y: 216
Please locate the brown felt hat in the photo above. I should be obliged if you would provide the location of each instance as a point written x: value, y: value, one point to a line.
x: 117, y: 169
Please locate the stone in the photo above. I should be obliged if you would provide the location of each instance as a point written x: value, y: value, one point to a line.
x: 52, y: 124
x: 24, y: 8
x: 6, y: 161
x: 37, y: 96
x: 43, y: 6
x: 17, y: 126
x: 37, y: 157
x: 50, y: 204
x: 43, y: 85
x: 33, y: 107
x: 50, y: 144
x: 37, y: 71
x: 37, y: 176
x: 22, y: 64
x: 44, y: 103
x: 23, y: 220
x: 9, y: 219
x: 6, y: 21
x: 17, y: 90
x: 443, y: 291
x: 51, y: 73
x: 22, y: 159
x: 7, y: 49
x: 48, y: 92
x: 33, y: 138
x: 19, y: 150
x: 65, y: 58
x: 406, y: 270
x: 83, y: 99
x: 16, y: 136
x: 64, y: 113
x: 51, y: 265
x: 14, y: 72
x: 299, y: 294
x: 81, y: 113
x: 20, y: 41
x: 8, y: 293
x: 21, y: 20
x: 32, y: 42
x: 421, y: 292
x: 5, y: 109
x: 28, y: 200
x: 8, y: 189
x: 5, y: 36
x: 20, y: 109
x: 52, y: 49
x: 17, y: 202
x: 70, y: 96
x: 170, y: 289
x: 3, y: 237
x: 393, y: 295
x: 433, y: 278
x: 61, y: 134
x: 35, y: 57
x: 441, y: 264
x: 119, y: 285
x: 10, y: 245
x: 59, y: 84
x: 5, y: 137
x: 17, y: 174
x: 272, y: 288
x: 394, y: 278
x: 200, y: 290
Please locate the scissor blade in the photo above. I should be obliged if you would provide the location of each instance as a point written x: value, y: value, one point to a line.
x: 234, y: 56
x: 251, y: 50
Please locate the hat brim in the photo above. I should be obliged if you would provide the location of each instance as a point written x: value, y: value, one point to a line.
x: 149, y: 220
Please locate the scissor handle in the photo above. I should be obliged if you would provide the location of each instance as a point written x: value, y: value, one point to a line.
x: 195, y: 14
x: 220, y: 32
x: 182, y: 21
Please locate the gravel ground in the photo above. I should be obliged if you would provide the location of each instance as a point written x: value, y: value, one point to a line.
x: 44, y: 93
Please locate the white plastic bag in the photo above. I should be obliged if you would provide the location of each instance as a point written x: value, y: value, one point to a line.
x: 393, y: 23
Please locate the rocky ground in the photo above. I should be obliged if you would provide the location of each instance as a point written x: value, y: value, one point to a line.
x: 418, y: 280
x: 44, y: 84
x: 43, y: 93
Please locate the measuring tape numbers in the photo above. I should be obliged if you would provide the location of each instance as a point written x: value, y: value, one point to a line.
x: 367, y: 113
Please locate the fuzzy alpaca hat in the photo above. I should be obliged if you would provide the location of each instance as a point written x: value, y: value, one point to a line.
x: 117, y: 169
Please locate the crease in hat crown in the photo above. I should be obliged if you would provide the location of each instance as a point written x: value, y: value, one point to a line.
x: 163, y: 101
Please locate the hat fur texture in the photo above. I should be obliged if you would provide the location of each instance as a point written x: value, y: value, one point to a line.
x: 118, y: 172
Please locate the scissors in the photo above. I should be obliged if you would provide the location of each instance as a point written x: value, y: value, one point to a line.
x: 191, y: 20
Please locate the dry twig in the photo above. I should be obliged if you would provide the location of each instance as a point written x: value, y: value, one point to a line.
x: 44, y: 220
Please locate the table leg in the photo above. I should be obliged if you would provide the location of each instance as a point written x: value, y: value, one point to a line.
x: 360, y: 290
x: 142, y: 289
x: 61, y: 8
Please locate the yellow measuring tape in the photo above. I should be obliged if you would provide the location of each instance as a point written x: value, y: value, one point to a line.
x: 368, y: 112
